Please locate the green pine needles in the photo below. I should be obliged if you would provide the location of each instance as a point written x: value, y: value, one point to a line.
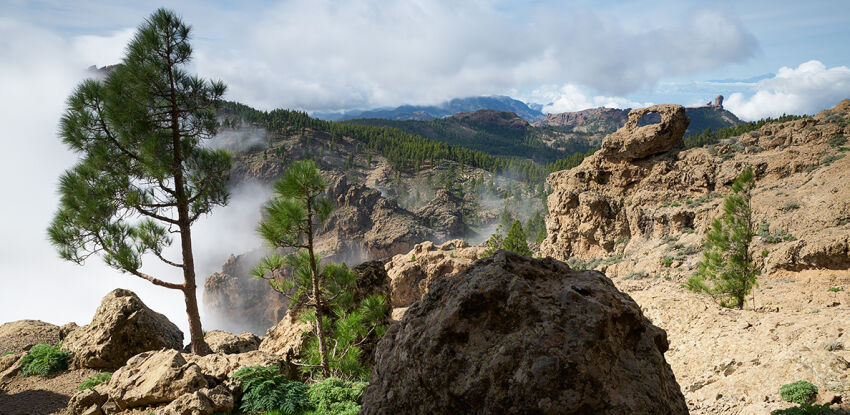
x: 727, y: 271
x: 143, y: 173
x: 335, y: 396
x: 515, y: 241
x: 44, y: 360
x: 342, y: 324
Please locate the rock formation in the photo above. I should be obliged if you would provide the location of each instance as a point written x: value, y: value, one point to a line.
x: 445, y: 212
x: 412, y: 273
x: 641, y: 187
x: 221, y: 341
x: 518, y: 335
x: 21, y: 335
x: 122, y: 327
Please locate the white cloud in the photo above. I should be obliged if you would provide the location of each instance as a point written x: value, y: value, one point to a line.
x: 38, y: 70
x: 570, y: 97
x: 806, y: 89
x: 330, y: 55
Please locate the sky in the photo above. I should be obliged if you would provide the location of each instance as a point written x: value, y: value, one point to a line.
x: 766, y: 57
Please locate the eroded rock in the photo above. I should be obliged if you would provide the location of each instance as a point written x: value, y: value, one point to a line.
x: 517, y: 335
x: 153, y: 378
x: 221, y: 341
x: 122, y: 327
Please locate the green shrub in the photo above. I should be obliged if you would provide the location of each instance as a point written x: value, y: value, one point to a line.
x: 789, y: 207
x: 833, y: 346
x: 688, y: 230
x: 44, y: 360
x: 806, y: 409
x: 95, y: 380
x: 667, y: 262
x: 837, y: 140
x: 334, y: 396
x: 835, y: 289
x: 264, y: 389
x: 636, y: 276
x: 801, y: 392
x: 831, y: 158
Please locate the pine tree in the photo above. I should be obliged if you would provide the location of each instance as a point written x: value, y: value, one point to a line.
x: 143, y: 174
x: 515, y: 241
x: 727, y: 271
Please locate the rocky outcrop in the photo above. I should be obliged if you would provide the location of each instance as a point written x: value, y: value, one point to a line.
x: 641, y: 191
x: 153, y: 378
x: 518, y: 335
x: 221, y: 341
x: 412, y: 273
x: 587, y: 121
x: 21, y: 335
x: 446, y: 212
x: 173, y: 383
x: 122, y: 327
x: 488, y: 119
x: 633, y: 142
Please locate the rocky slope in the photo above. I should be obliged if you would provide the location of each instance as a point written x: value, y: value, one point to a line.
x: 638, y: 210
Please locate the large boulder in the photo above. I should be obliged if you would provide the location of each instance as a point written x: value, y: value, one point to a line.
x: 19, y: 336
x: 153, y: 378
x: 515, y: 335
x: 122, y: 327
x: 221, y: 341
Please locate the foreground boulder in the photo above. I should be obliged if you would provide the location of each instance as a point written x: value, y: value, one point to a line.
x: 122, y: 327
x: 518, y: 335
x: 221, y: 341
x: 152, y: 378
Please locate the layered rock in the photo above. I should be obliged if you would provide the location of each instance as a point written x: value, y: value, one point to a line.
x: 518, y: 335
x: 122, y: 327
x: 446, y: 212
x: 642, y: 186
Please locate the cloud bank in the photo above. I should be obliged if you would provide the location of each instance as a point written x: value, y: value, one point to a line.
x: 571, y: 97
x: 326, y: 55
x: 806, y: 89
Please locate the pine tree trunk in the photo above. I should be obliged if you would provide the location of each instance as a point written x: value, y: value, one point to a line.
x: 317, y: 295
x: 196, y: 332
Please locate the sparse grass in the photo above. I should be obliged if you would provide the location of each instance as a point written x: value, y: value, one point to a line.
x: 622, y: 241
x: 789, y: 206
x: 6, y: 353
x: 696, y: 202
x: 772, y: 238
x: 95, y: 380
x: 835, y: 289
x: 592, y: 263
x: 636, y: 276
x: 831, y: 158
x: 667, y: 262
x: 833, y: 346
x: 687, y: 229
x: 837, y: 140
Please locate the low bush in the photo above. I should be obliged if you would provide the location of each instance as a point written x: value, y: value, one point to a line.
x: 800, y: 392
x: 636, y: 276
x: 837, y: 140
x: 265, y: 389
x: 44, y: 360
x: 835, y: 289
x: 334, y: 396
x: 95, y: 380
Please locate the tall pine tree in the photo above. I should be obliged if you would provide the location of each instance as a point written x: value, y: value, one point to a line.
x: 143, y: 173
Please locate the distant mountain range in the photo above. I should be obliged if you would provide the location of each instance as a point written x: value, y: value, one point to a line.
x: 431, y: 112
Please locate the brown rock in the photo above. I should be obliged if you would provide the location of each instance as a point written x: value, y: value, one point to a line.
x: 19, y: 336
x: 123, y: 326
x: 634, y: 142
x: 288, y: 337
x: 195, y: 403
x: 519, y: 335
x: 153, y: 378
x: 221, y: 341
x: 223, y: 366
x: 66, y: 329
x: 413, y: 272
x: 84, y: 400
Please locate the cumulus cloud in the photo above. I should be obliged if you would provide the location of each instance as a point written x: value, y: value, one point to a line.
x: 570, y: 97
x: 329, y: 55
x: 806, y: 89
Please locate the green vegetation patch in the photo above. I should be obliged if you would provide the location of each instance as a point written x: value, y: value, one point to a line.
x: 336, y: 396
x: 95, y: 380
x: 265, y: 389
x: 44, y: 360
x: 800, y: 392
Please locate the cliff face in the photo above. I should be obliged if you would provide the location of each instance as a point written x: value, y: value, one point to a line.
x: 640, y: 216
x: 642, y: 187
